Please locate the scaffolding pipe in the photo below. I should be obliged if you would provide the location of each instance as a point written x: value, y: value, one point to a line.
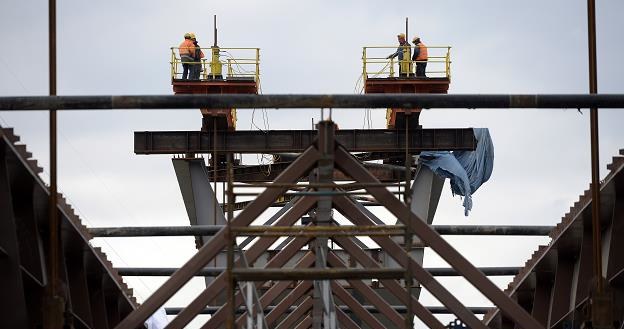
x: 261, y: 274
x: 207, y: 230
x: 405, y: 101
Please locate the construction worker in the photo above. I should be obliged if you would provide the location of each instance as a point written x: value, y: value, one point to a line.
x: 187, y: 51
x: 420, y: 57
x: 198, y: 54
x: 403, y: 52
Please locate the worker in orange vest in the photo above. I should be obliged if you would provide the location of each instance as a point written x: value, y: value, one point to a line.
x: 187, y: 51
x: 420, y: 56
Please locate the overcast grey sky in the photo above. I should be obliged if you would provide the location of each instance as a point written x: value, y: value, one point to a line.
x: 122, y: 47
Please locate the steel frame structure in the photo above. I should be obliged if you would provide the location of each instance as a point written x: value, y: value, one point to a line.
x: 320, y: 159
x: 511, y: 312
x: 94, y: 294
x: 599, y: 298
x: 555, y: 283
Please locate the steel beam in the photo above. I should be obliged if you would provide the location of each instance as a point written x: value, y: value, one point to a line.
x: 296, y: 314
x: 251, y: 141
x: 206, y: 296
x: 345, y: 206
x: 323, y: 311
x: 315, y: 274
x: 279, y: 260
x: 215, y: 271
x: 129, y: 231
x: 356, y: 307
x: 391, y: 285
x: 277, y: 289
x: 346, y: 162
x: 369, y: 294
x: 290, y: 299
x: 97, y: 290
x: 344, y: 308
x: 344, y: 320
x: 267, y: 173
x: 303, y: 324
x: 207, y: 252
x: 14, y: 303
x: 200, y: 200
x: 403, y: 101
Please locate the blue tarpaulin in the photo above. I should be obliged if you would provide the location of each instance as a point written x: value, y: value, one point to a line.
x: 467, y: 170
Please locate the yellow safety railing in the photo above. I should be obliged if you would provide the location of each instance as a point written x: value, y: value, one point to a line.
x: 376, y: 64
x: 240, y: 63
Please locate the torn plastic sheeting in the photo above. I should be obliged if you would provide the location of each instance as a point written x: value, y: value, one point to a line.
x: 158, y: 320
x: 467, y: 170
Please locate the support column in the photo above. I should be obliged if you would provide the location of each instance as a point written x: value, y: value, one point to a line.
x: 200, y: 201
x: 425, y: 192
x: 324, y: 315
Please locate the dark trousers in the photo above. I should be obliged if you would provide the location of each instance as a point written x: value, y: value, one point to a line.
x: 186, y: 67
x: 420, y: 69
x: 195, y: 69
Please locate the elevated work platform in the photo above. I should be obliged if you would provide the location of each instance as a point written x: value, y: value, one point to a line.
x: 380, y: 77
x: 241, y: 76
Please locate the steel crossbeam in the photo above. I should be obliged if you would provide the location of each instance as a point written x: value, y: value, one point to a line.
x: 306, y: 101
x: 271, y: 141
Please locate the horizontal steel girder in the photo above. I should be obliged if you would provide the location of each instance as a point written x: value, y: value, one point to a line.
x: 257, y: 274
x: 406, y: 101
x: 344, y: 308
x: 261, y: 173
x: 200, y: 230
x: 178, y: 142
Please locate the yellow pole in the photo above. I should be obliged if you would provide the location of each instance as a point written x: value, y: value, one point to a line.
x: 448, y: 62
x: 257, y: 64
x: 364, y: 75
x: 204, y: 74
x: 173, y: 63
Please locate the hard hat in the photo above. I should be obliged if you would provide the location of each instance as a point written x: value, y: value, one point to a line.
x: 415, y: 38
x: 187, y: 35
x: 192, y: 35
x: 401, y: 35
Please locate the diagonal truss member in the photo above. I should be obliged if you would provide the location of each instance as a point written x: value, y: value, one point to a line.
x: 324, y: 155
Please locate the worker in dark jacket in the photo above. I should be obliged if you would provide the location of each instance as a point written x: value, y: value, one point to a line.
x: 403, y: 53
x: 198, y: 54
x: 420, y: 57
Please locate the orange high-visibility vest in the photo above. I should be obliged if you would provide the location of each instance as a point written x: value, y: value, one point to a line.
x: 422, y: 55
x: 187, y: 48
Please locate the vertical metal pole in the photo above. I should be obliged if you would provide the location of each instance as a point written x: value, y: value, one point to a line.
x: 406, y: 34
x: 323, y: 310
x: 249, y: 305
x: 214, y: 168
x: 215, y: 30
x: 595, y: 186
x: 55, y: 308
x: 231, y: 242
x: 407, y: 198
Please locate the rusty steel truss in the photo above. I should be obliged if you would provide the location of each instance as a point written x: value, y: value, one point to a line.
x: 306, y: 281
x: 95, y: 294
x: 320, y: 275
